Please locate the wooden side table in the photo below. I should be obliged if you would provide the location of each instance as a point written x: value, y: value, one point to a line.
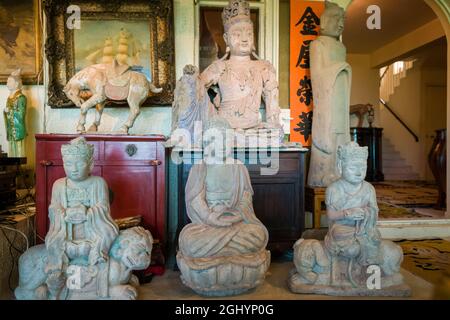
x: 315, y: 203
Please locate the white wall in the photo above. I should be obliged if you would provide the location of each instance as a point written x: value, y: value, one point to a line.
x: 409, y: 102
x: 365, y: 85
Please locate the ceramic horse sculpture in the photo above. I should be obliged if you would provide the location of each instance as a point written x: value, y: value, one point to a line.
x: 99, y: 83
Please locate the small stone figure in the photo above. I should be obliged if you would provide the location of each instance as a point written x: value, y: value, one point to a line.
x: 84, y: 256
x: 188, y: 108
x: 239, y: 83
x: 353, y: 249
x: 15, y: 113
x: 223, y: 251
x: 331, y: 84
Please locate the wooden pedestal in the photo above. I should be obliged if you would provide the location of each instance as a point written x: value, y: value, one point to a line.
x: 315, y: 203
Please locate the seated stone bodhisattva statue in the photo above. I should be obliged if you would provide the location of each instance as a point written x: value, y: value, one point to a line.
x: 223, y: 251
x: 84, y: 256
x: 353, y: 254
x: 242, y: 83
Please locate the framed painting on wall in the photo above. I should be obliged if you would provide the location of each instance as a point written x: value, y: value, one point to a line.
x: 138, y: 33
x: 20, y: 45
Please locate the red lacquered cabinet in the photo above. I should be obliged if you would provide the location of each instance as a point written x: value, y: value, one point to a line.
x: 133, y: 166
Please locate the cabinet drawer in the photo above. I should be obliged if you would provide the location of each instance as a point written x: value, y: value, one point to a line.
x: 130, y: 150
x: 53, y: 149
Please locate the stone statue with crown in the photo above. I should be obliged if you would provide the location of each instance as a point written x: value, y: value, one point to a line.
x: 84, y: 256
x: 240, y: 80
x: 352, y: 260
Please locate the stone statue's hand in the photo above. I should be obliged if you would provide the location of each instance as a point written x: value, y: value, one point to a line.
x: 231, y: 218
x: 214, y: 220
x: 355, y: 213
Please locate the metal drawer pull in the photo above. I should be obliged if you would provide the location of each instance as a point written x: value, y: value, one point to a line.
x: 155, y: 162
x: 46, y: 163
x: 131, y: 149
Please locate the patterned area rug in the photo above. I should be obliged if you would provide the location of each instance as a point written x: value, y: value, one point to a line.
x: 427, y: 259
x: 407, y: 193
x: 389, y: 211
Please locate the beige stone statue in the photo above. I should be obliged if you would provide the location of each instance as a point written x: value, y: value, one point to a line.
x: 353, y: 259
x: 84, y: 256
x: 242, y: 82
x: 331, y: 83
x: 94, y: 85
x: 223, y: 251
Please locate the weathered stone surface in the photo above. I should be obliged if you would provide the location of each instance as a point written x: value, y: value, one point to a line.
x: 222, y: 252
x: 84, y: 256
x: 331, y: 83
x: 352, y: 259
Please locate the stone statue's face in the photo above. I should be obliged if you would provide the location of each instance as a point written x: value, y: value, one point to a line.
x: 77, y: 168
x: 332, y: 23
x: 240, y: 39
x: 12, y: 84
x: 136, y: 256
x: 354, y: 172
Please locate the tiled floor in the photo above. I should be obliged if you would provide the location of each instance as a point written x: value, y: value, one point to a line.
x: 170, y: 287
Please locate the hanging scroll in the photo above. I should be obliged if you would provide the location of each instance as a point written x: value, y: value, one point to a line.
x: 305, y: 26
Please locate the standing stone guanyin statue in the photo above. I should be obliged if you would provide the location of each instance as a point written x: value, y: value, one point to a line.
x: 331, y: 84
x: 223, y: 251
x: 353, y: 254
x: 14, y: 114
x: 241, y: 83
x: 84, y: 256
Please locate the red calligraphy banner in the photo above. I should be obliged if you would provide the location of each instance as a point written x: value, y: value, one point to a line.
x: 304, y: 27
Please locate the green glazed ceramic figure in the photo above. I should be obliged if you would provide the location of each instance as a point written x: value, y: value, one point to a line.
x: 14, y: 115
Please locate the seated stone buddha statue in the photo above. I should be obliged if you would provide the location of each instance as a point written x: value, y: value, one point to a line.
x: 242, y: 82
x: 222, y: 252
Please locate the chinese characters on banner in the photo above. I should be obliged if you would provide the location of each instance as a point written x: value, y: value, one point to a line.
x: 305, y: 26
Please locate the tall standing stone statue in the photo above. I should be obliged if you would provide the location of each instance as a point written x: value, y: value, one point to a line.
x: 223, y: 251
x: 331, y: 83
x: 241, y: 81
x: 84, y: 256
x: 353, y: 260
x: 14, y: 114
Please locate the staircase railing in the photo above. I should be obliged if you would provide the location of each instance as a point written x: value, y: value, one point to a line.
x: 400, y: 120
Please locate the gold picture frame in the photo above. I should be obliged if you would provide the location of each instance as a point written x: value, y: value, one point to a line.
x: 67, y: 48
x: 20, y: 40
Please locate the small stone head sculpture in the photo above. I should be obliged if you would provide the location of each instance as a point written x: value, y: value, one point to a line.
x: 239, y: 35
x: 332, y: 20
x: 134, y: 248
x: 216, y: 144
x: 14, y: 81
x: 78, y: 159
x: 352, y: 162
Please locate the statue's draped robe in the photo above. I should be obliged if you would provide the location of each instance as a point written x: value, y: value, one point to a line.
x: 346, y: 233
x: 331, y: 84
x: 191, y: 104
x: 242, y: 90
x: 99, y: 229
x: 15, y: 124
x: 199, y: 240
